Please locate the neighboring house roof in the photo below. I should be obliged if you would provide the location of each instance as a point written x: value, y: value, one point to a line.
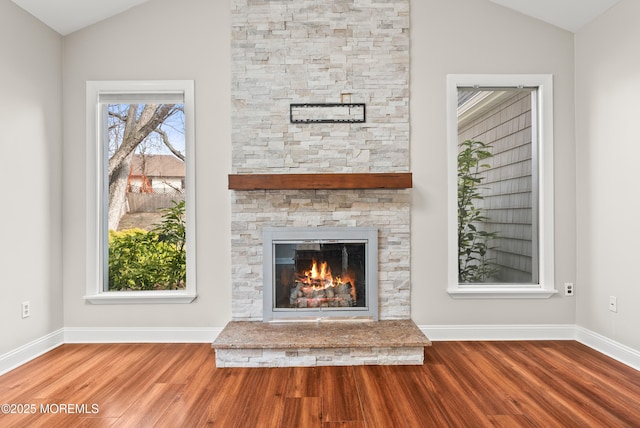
x: 157, y: 166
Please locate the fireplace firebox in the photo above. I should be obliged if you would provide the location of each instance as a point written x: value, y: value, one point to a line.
x: 320, y: 273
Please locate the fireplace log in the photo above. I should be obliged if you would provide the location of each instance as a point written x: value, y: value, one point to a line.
x: 305, y: 296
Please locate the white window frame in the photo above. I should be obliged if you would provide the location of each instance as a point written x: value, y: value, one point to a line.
x: 96, y: 206
x: 545, y: 287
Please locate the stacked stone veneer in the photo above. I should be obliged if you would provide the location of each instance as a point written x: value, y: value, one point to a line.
x: 387, y: 210
x: 306, y: 357
x: 315, y: 51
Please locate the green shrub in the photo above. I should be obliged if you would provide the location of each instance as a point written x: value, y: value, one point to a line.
x: 172, y: 232
x: 154, y: 260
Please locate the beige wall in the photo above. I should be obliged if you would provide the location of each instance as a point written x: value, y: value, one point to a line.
x: 485, y: 39
x: 475, y: 37
x: 31, y: 141
x: 189, y: 39
x: 197, y: 47
x: 608, y: 149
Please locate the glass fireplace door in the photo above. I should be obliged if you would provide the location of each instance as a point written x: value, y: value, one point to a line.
x: 320, y: 277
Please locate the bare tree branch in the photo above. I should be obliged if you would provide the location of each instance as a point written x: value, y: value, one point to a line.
x: 151, y: 117
x: 165, y: 140
x: 118, y: 116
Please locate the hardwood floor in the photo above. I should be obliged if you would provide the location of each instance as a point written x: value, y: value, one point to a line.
x: 461, y: 384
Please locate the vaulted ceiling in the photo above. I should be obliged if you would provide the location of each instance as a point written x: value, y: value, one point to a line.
x: 568, y: 14
x: 67, y: 16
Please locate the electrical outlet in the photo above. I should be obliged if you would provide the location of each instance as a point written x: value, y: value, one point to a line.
x: 568, y: 289
x: 26, y: 309
x: 613, y: 303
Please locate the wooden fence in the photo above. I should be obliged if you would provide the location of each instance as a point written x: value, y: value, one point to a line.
x: 151, y: 202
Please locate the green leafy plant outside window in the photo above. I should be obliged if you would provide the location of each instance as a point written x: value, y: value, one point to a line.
x: 150, y: 260
x: 473, y: 241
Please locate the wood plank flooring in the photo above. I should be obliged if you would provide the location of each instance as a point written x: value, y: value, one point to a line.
x: 461, y: 384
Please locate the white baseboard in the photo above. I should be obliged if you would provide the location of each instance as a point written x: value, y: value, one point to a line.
x: 141, y: 334
x: 499, y: 332
x: 35, y: 348
x: 606, y: 346
x: 31, y: 350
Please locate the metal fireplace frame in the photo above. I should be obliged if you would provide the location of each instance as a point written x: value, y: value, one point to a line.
x: 273, y: 235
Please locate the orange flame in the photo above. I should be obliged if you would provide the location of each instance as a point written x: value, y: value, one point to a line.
x: 323, y: 275
x: 320, y: 276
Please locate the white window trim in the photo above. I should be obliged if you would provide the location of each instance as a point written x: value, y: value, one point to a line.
x: 94, y: 211
x: 546, y: 283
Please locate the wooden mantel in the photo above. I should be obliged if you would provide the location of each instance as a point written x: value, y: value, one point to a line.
x: 388, y: 180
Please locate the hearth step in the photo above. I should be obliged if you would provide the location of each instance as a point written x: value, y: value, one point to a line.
x: 325, y: 343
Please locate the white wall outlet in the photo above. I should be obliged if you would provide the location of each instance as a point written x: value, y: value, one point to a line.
x: 568, y: 289
x: 26, y: 309
x: 613, y: 303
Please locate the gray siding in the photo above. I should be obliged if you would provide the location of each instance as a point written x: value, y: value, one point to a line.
x: 507, y: 185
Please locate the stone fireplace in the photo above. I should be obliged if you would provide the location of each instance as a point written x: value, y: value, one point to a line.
x: 381, y: 209
x: 313, y: 273
x: 288, y: 53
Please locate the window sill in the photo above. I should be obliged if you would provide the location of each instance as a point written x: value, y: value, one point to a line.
x: 500, y: 293
x: 140, y: 297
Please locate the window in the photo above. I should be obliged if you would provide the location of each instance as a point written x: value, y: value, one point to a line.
x: 140, y: 192
x: 500, y: 169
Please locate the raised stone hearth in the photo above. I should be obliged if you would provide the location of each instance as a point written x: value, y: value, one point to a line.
x: 310, y: 344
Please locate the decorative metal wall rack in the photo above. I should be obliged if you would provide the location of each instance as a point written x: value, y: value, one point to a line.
x: 327, y: 113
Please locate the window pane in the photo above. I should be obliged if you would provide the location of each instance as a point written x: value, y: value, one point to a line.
x: 145, y: 174
x: 497, y: 186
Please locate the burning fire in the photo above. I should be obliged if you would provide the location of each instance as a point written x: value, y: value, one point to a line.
x: 320, y: 277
